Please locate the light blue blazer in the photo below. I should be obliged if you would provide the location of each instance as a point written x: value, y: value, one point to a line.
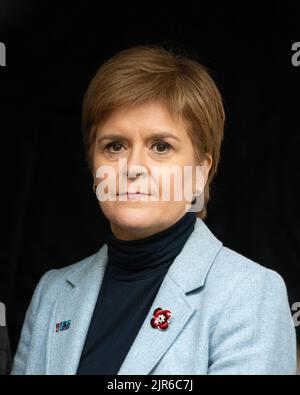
x: 230, y: 315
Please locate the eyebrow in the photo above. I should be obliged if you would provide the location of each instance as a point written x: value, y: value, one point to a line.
x: 158, y: 135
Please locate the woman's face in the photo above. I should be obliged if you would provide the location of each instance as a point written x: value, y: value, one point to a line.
x: 141, y: 139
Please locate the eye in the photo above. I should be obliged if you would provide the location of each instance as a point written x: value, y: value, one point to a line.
x: 161, y: 146
x: 113, y: 144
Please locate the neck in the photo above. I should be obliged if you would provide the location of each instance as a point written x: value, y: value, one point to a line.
x: 151, y: 253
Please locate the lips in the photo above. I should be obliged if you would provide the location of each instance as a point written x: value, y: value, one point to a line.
x: 132, y: 193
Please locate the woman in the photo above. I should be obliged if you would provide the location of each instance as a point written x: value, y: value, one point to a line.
x: 163, y: 295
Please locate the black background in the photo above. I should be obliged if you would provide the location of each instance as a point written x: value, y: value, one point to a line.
x: 50, y: 215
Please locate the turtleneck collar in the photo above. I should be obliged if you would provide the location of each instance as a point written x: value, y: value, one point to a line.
x: 141, y: 258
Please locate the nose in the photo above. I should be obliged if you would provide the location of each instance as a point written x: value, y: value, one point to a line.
x: 136, y: 162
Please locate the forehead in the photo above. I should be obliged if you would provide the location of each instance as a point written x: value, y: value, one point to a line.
x: 142, y: 119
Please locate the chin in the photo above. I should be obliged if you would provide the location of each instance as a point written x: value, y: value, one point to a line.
x: 133, y: 218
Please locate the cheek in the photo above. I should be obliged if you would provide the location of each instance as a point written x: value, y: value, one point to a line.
x: 178, y: 184
x: 106, y: 173
x: 97, y: 162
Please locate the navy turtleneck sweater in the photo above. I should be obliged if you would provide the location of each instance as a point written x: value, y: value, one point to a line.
x: 132, y: 278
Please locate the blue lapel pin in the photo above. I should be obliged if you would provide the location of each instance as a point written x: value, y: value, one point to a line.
x: 62, y: 326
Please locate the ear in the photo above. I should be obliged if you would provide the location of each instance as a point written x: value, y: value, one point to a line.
x: 207, y: 164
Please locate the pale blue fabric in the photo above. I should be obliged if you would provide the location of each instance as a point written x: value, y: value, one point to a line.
x: 230, y: 316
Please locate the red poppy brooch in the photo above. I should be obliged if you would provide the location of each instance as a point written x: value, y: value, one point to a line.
x: 161, y: 318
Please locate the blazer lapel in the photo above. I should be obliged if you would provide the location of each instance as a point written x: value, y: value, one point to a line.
x: 187, y: 273
x: 77, y: 305
x: 142, y: 358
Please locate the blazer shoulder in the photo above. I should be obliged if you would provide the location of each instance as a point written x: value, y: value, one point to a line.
x: 56, y: 279
x: 234, y: 263
x: 232, y: 270
x: 65, y: 271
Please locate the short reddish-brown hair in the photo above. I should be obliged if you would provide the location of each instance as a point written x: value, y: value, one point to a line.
x: 150, y: 73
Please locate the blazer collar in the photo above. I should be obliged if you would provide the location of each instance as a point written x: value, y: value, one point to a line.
x: 189, y: 269
x: 187, y: 272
